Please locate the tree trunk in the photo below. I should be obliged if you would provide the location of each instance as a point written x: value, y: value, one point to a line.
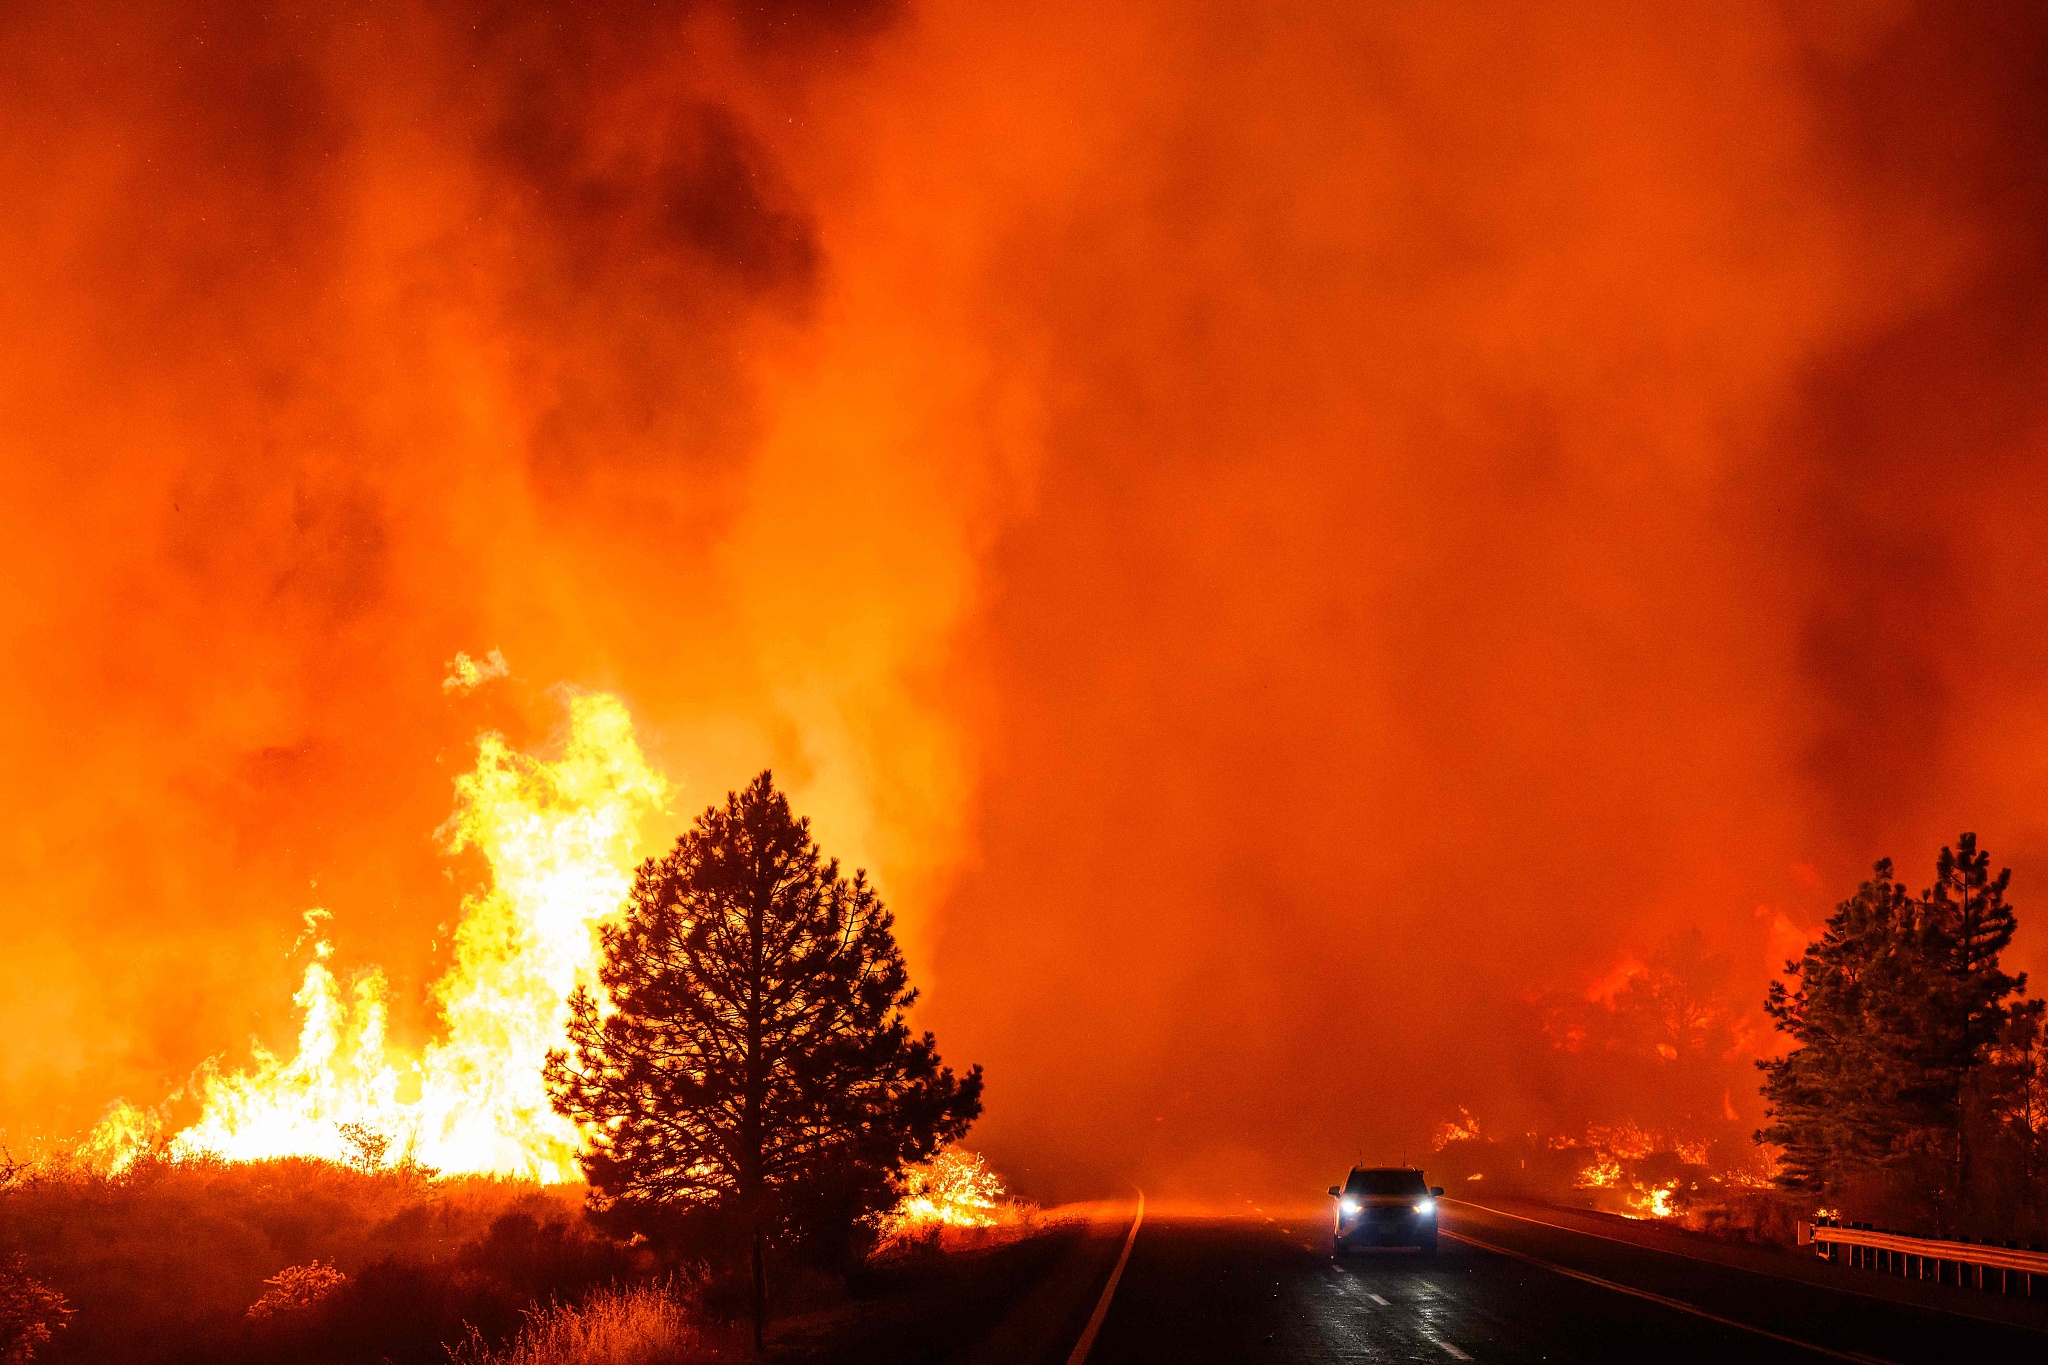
x: 760, y: 1293
x: 753, y: 1137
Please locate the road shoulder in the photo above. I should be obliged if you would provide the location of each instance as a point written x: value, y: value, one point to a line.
x: 1778, y: 1262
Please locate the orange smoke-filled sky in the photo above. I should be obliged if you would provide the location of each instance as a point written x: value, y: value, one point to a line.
x: 1286, y: 535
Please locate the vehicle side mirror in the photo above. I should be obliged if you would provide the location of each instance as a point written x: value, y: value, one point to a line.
x: 1437, y: 1190
x: 1335, y: 1191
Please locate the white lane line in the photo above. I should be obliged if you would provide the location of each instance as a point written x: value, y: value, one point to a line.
x: 1378, y: 1300
x: 1453, y: 1352
x: 1108, y: 1291
x: 1680, y: 1305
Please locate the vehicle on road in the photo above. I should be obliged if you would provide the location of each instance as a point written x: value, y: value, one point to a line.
x: 1386, y: 1206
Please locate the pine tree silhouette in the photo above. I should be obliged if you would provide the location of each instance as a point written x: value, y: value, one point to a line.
x: 1971, y: 925
x: 755, y: 1062
x: 1902, y: 1018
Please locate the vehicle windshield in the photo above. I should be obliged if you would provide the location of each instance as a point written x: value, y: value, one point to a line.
x: 1397, y: 1182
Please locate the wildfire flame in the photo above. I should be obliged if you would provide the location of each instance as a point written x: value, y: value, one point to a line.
x: 123, y: 1134
x: 1463, y: 1128
x: 955, y: 1189
x: 1653, y: 1201
x: 560, y: 839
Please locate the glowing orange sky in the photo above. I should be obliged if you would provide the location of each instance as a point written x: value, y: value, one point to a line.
x: 1280, y: 533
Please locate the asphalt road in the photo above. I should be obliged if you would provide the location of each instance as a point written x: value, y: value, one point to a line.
x: 1502, y: 1289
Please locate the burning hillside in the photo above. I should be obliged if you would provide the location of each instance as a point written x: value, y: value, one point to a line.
x: 1624, y: 1169
x: 1630, y: 1107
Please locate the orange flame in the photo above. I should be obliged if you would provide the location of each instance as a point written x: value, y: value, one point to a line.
x: 560, y: 839
x: 955, y: 1189
x: 122, y: 1135
x: 1463, y: 1128
x: 1653, y: 1201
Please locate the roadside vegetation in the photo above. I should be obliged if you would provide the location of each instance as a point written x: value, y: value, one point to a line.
x: 1915, y: 1095
x: 208, y: 1260
x: 30, y: 1311
x: 181, y: 1262
x: 640, y: 1324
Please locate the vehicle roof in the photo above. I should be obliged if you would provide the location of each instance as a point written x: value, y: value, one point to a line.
x: 1388, y: 1181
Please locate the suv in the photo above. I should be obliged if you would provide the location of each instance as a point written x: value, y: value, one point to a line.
x: 1386, y: 1206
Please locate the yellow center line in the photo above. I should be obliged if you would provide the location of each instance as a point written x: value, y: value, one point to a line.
x: 1108, y: 1291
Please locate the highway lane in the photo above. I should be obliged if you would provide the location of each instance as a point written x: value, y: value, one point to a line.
x: 1244, y: 1290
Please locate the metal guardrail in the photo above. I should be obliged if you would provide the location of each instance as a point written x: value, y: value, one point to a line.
x: 1928, y: 1258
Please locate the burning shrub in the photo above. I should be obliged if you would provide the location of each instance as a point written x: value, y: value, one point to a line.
x: 1629, y: 1170
x: 367, y: 1147
x: 29, y: 1312
x: 297, y: 1288
x: 124, y: 1135
x: 954, y: 1190
x: 1463, y: 1128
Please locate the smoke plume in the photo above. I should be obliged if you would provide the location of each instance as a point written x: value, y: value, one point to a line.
x: 1291, y: 538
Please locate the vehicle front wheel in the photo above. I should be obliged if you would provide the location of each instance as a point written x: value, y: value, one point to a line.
x: 1343, y: 1248
x: 1428, y: 1245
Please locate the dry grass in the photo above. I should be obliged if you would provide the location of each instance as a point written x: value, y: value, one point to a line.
x: 163, y: 1262
x: 634, y: 1325
x: 297, y: 1288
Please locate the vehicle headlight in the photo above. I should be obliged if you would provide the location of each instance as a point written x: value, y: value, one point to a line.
x: 1348, y: 1205
x: 1426, y: 1206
